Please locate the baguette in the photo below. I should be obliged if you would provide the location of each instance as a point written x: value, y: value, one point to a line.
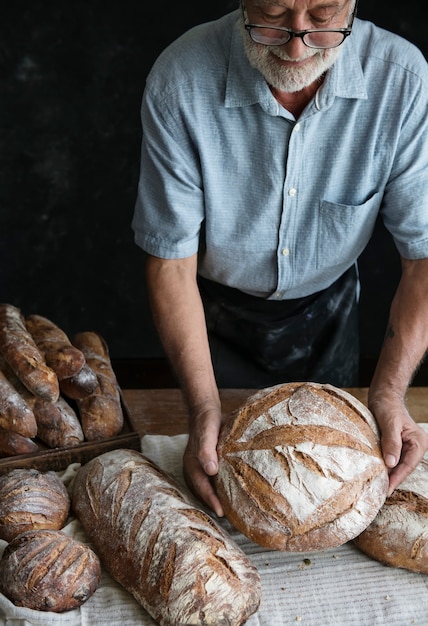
x: 101, y: 412
x: 47, y: 570
x: 65, y: 359
x: 15, y: 413
x: 81, y: 385
x: 172, y: 557
x: 21, y: 353
x: 57, y: 424
x: 13, y: 444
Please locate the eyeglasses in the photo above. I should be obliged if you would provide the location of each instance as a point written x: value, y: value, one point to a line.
x: 321, y: 38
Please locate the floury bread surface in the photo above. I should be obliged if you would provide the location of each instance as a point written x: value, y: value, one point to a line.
x: 47, y: 570
x: 398, y: 536
x: 31, y: 500
x: 300, y: 467
x: 172, y: 557
x: 22, y: 355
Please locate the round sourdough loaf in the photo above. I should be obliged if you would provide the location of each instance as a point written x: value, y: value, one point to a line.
x: 398, y: 536
x: 300, y: 467
x: 47, y: 570
x: 31, y: 500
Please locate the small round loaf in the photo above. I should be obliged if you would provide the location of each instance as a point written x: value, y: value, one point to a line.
x: 300, y: 467
x: 30, y: 500
x: 398, y: 536
x: 47, y: 570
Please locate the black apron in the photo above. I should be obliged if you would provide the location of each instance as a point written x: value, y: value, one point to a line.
x: 257, y: 343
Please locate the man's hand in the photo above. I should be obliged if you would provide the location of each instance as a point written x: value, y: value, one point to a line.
x: 404, y: 443
x: 200, y: 461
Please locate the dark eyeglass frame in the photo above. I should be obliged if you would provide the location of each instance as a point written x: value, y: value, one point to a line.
x: 301, y: 34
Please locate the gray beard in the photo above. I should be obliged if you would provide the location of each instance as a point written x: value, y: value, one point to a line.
x: 287, y: 79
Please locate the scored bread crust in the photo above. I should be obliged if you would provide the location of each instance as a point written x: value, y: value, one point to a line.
x: 31, y: 500
x: 172, y: 557
x: 300, y: 467
x: 65, y: 359
x: 398, y: 535
x: 46, y: 570
x: 21, y: 353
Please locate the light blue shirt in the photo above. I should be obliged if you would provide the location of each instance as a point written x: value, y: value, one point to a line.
x: 279, y: 208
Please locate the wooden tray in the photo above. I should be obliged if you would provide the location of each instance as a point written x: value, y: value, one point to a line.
x: 59, y: 458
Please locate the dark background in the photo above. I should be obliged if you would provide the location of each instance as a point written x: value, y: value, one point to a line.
x: 71, y: 81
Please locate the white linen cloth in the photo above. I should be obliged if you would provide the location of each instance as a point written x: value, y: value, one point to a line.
x: 337, y: 587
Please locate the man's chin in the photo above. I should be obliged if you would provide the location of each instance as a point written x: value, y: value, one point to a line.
x: 291, y: 84
x: 289, y: 78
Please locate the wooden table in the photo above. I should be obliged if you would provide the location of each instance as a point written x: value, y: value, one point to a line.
x: 162, y: 412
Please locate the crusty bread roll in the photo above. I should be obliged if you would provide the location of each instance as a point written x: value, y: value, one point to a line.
x: 100, y: 412
x: 47, y: 570
x: 172, y: 557
x: 20, y: 352
x: 300, y: 467
x: 65, y: 359
x: 31, y: 500
x: 398, y: 536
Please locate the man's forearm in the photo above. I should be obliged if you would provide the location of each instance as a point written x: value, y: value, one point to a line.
x: 179, y: 318
x: 406, y: 339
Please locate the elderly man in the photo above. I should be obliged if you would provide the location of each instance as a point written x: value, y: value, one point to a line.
x: 272, y: 139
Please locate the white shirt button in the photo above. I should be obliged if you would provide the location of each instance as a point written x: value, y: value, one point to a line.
x: 292, y: 191
x: 297, y: 127
x: 285, y: 251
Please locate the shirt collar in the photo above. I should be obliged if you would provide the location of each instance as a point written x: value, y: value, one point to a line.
x: 246, y: 86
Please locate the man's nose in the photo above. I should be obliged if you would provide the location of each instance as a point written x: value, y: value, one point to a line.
x: 295, y: 48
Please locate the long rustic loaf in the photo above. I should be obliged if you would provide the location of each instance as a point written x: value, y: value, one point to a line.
x: 65, y: 359
x: 58, y: 425
x: 398, y: 536
x: 81, y: 385
x: 14, y: 444
x: 100, y: 412
x: 172, y: 557
x: 15, y: 413
x: 300, y: 467
x: 47, y: 570
x: 20, y: 351
x: 31, y: 500
x: 55, y: 423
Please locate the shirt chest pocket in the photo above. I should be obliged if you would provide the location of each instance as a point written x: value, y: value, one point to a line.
x: 344, y: 230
